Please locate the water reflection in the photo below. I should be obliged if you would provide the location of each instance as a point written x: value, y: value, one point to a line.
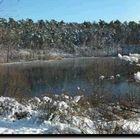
x: 72, y: 76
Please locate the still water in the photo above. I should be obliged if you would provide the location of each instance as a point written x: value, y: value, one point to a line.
x: 70, y: 76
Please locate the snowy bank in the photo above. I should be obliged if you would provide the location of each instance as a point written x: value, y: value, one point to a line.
x: 41, y: 116
x: 61, y: 114
x: 132, y: 58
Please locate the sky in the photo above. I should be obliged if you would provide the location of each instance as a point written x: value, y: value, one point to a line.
x: 71, y: 10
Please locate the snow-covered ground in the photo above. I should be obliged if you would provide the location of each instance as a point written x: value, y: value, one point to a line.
x: 32, y: 118
x: 132, y: 58
x: 61, y: 114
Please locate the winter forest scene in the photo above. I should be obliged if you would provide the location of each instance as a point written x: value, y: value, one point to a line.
x: 70, y: 67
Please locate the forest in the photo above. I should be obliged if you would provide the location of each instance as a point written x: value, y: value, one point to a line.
x: 80, y: 39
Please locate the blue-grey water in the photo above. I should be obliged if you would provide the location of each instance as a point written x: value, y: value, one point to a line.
x: 70, y: 76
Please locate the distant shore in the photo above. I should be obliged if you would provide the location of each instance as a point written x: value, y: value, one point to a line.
x: 51, y: 60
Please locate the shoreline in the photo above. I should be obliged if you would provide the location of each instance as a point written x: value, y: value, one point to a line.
x: 51, y: 60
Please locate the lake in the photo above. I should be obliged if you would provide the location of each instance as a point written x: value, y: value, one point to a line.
x: 72, y: 76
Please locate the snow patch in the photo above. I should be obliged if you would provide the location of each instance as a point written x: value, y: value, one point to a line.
x: 131, y: 58
x: 102, y: 77
x: 63, y: 105
x: 137, y: 76
x: 47, y: 99
x: 77, y: 98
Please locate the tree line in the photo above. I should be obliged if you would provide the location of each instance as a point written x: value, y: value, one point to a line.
x: 69, y: 37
